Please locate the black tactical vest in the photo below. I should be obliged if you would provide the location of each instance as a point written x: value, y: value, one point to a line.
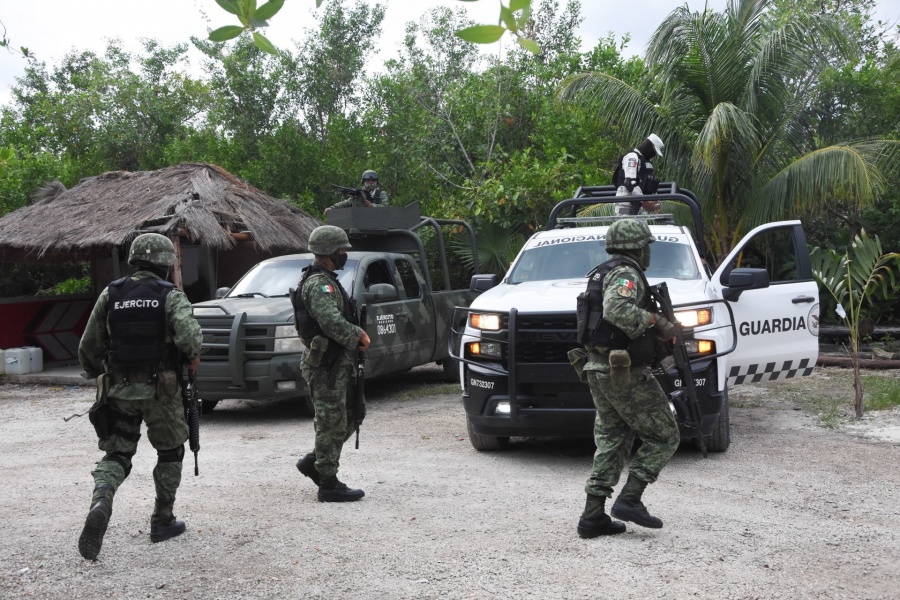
x: 137, y: 322
x: 594, y: 330
x: 307, y: 326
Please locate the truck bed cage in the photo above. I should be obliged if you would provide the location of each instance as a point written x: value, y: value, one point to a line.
x: 393, y: 229
x: 606, y: 194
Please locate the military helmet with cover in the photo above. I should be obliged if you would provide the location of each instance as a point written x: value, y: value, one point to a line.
x: 325, y: 240
x: 152, y: 248
x: 369, y: 174
x: 628, y: 234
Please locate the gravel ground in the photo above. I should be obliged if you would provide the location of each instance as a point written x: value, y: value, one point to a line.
x: 792, y: 510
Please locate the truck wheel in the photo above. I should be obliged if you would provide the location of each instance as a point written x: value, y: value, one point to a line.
x: 207, y: 406
x: 450, y: 368
x: 720, y: 438
x: 486, y: 443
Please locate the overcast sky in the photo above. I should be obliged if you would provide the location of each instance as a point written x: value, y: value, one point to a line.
x: 51, y: 28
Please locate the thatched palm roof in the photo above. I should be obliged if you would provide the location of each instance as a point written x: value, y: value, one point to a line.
x: 201, y: 202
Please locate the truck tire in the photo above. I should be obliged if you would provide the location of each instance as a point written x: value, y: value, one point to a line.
x: 207, y: 406
x: 450, y: 369
x: 720, y: 438
x: 485, y: 443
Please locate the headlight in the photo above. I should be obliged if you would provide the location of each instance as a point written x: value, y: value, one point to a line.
x: 486, y: 321
x: 286, y: 339
x: 693, y: 318
x: 485, y: 350
x: 700, y: 347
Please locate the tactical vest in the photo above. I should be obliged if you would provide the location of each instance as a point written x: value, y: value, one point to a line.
x: 137, y: 322
x: 594, y: 330
x: 646, y: 180
x: 307, y: 326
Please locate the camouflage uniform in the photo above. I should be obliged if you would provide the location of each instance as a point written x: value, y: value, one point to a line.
x: 326, y: 323
x: 630, y: 403
x: 137, y: 396
x: 377, y: 193
x: 641, y: 408
x: 332, y: 387
x: 379, y: 196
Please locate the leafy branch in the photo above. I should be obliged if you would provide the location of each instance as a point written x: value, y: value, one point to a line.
x: 513, y: 18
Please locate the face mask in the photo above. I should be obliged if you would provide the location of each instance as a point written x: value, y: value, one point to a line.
x: 339, y: 259
x: 645, y: 258
x: 370, y: 185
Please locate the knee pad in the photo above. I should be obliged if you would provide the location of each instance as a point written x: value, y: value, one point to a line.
x: 171, y: 455
x: 117, y: 457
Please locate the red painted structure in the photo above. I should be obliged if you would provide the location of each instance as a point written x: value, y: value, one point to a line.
x: 54, y: 324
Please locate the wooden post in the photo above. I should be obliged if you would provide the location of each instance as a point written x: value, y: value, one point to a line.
x: 176, y: 268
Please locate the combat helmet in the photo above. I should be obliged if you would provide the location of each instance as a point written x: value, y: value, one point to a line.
x: 152, y: 248
x: 628, y: 234
x: 657, y: 143
x: 325, y: 240
x: 369, y: 174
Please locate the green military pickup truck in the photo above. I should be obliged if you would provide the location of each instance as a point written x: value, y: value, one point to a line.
x: 250, y: 345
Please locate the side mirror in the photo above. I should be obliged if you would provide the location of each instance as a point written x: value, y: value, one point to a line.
x: 743, y: 279
x: 381, y: 292
x: 482, y: 283
x: 222, y: 292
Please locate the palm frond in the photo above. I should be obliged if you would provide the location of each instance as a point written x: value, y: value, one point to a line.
x: 615, y: 102
x: 808, y: 182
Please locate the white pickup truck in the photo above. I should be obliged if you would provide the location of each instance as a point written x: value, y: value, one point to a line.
x: 755, y: 317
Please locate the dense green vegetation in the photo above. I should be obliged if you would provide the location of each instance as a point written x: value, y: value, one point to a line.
x: 487, y: 137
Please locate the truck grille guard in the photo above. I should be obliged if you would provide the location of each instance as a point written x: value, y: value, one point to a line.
x: 227, y: 336
x: 561, y: 325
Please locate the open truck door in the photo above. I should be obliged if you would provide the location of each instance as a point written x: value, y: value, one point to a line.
x: 767, y: 280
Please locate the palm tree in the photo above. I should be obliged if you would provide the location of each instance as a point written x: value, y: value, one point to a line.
x: 729, y: 93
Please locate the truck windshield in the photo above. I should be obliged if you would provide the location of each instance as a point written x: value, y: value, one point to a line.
x: 574, y: 260
x: 275, y: 278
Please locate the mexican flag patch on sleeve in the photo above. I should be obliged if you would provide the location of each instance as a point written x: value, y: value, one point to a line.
x: 626, y: 283
x: 328, y: 289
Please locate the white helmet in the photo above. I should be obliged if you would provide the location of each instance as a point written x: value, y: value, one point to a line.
x: 657, y: 143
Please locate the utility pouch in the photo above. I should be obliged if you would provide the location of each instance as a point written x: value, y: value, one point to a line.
x: 315, y: 353
x: 578, y: 358
x: 99, y: 414
x: 167, y: 384
x: 620, y: 367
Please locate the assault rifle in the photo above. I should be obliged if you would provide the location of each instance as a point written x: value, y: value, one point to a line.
x: 192, y: 412
x: 660, y: 293
x: 359, y: 411
x: 358, y: 194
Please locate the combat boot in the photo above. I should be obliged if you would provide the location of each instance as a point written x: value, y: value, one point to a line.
x: 163, y: 524
x: 594, y: 522
x: 307, y: 466
x: 97, y: 520
x: 628, y: 505
x: 332, y: 490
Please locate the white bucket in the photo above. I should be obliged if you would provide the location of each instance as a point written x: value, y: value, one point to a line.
x: 2, y: 362
x: 37, y: 358
x: 17, y: 361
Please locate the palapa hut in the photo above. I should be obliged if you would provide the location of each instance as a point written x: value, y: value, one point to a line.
x: 220, y: 223
x: 220, y: 226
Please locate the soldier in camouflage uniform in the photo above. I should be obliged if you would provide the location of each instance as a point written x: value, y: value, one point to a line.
x: 328, y: 329
x: 370, y: 184
x: 628, y: 399
x: 139, y: 334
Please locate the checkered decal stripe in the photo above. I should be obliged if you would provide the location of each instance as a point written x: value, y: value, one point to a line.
x: 769, y: 372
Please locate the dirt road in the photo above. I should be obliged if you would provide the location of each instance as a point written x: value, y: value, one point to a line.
x: 792, y: 510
